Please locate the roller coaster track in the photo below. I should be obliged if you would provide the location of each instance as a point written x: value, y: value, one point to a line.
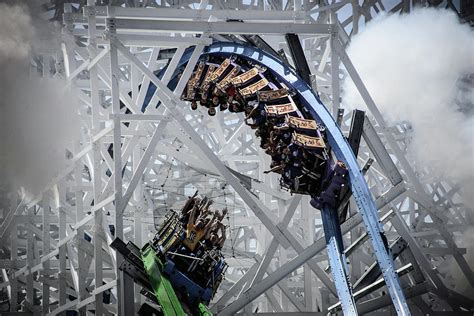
x: 311, y: 107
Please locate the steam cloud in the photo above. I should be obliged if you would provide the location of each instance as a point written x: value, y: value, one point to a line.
x: 419, y: 68
x: 412, y: 65
x: 37, y: 122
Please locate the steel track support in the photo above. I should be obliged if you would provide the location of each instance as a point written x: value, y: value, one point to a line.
x: 125, y: 294
x: 96, y: 161
x: 337, y: 260
x: 299, y: 58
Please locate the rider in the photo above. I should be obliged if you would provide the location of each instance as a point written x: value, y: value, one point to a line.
x: 195, y: 231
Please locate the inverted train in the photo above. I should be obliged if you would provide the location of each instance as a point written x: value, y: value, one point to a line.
x: 289, y: 134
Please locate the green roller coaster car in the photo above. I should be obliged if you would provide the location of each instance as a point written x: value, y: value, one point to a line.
x: 163, y: 289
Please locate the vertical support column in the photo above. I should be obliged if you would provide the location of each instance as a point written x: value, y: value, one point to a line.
x: 138, y: 200
x: 117, y: 142
x: 89, y: 12
x: 125, y: 286
x: 264, y: 238
x: 283, y: 256
x: 14, y: 257
x: 298, y: 56
x: 80, y: 235
x: 135, y: 78
x: 334, y: 245
x: 355, y: 17
x: 266, y: 5
x: 29, y: 259
x: 325, y: 302
x: 296, y: 5
x: 62, y: 248
x: 335, y: 84
x: 46, y: 249
x: 406, y: 6
x: 308, y: 222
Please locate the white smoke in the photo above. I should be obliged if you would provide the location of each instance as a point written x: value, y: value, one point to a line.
x: 454, y: 277
x: 37, y: 118
x: 410, y: 64
x: 16, y: 32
